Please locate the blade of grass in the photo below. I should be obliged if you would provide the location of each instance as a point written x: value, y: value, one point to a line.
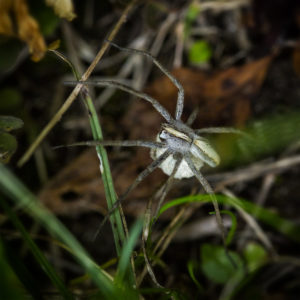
x: 272, y: 219
x: 128, y: 247
x: 39, y: 256
x: 14, y: 189
x: 115, y: 217
x: 8, y: 278
x: 192, y: 266
x: 118, y: 225
x: 232, y: 230
x: 110, y: 194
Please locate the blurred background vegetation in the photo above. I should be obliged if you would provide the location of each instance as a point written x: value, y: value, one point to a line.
x: 239, y: 62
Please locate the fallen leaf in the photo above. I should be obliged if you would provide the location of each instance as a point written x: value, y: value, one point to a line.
x: 63, y: 8
x: 78, y: 187
x: 223, y: 97
x: 26, y: 28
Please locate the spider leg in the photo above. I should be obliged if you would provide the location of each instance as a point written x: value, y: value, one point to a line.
x: 155, y: 164
x: 167, y: 186
x: 210, y: 191
x: 129, y: 90
x: 219, y: 130
x: 192, y: 116
x: 138, y: 143
x: 180, y: 98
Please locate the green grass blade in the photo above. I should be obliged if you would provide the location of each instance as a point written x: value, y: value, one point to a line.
x: 39, y: 256
x: 270, y: 218
x: 8, y: 279
x: 110, y: 194
x: 128, y: 247
x: 115, y: 217
x: 25, y: 275
x: 14, y: 189
x: 232, y: 230
x: 192, y: 266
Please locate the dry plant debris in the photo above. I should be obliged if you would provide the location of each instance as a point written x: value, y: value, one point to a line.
x: 16, y: 21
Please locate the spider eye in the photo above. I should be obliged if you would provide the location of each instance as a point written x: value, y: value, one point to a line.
x: 163, y: 134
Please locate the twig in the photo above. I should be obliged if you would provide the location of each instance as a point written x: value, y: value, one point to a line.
x: 254, y: 171
x: 77, y: 88
x: 253, y: 225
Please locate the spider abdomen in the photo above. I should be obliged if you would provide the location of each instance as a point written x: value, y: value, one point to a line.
x: 202, y: 149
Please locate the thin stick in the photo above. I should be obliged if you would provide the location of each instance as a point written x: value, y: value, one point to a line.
x: 77, y: 88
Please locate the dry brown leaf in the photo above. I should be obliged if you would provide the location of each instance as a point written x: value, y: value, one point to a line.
x: 6, y: 26
x: 78, y: 187
x: 27, y: 29
x: 63, y: 8
x: 16, y: 21
x: 223, y: 97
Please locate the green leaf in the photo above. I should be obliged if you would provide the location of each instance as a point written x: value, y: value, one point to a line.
x: 217, y: 266
x: 8, y: 146
x: 255, y: 255
x: 200, y: 52
x: 190, y: 16
x: 192, y: 13
x: 9, y: 123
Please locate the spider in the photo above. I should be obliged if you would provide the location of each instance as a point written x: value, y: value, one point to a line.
x: 179, y: 150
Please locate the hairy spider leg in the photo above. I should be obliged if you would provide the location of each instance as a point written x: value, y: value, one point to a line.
x: 180, y: 97
x: 219, y: 130
x: 128, y: 143
x: 167, y: 187
x: 155, y: 164
x: 192, y: 117
x: 129, y: 90
x: 209, y: 191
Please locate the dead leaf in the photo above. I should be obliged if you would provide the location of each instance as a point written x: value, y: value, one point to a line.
x: 223, y: 97
x: 78, y: 187
x: 63, y: 8
x: 27, y: 28
x: 16, y: 21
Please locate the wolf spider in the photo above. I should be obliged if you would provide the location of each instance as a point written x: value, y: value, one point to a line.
x: 179, y: 150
